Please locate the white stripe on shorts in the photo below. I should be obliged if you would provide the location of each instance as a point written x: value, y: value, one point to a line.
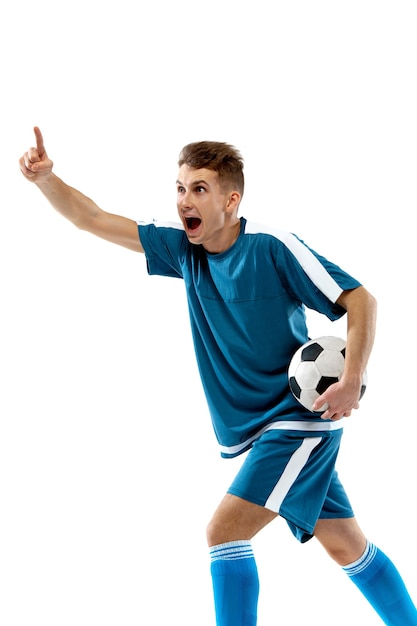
x: 291, y: 472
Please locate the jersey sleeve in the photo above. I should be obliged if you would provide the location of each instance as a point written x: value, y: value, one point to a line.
x: 164, y: 244
x: 313, y: 279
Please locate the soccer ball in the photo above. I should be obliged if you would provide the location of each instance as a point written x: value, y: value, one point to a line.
x: 314, y: 367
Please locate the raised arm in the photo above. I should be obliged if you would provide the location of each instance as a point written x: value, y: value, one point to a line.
x: 72, y: 204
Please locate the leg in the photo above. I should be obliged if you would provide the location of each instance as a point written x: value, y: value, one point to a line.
x: 341, y: 538
x: 236, y: 519
x: 233, y: 567
x: 284, y: 473
x: 369, y: 568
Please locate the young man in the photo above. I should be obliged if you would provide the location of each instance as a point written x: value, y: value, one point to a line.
x: 247, y: 287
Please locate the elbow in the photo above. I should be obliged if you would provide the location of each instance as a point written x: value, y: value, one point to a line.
x: 368, y: 303
x: 85, y: 221
x: 359, y: 297
x: 371, y: 301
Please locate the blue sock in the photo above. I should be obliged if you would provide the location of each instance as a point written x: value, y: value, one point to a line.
x: 235, y: 583
x: 381, y: 584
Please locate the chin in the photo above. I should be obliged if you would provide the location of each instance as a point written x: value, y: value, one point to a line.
x: 196, y: 241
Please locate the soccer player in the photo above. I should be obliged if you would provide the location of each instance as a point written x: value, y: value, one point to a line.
x: 247, y: 287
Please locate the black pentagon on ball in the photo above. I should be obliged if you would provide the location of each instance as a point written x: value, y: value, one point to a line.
x: 311, y: 352
x: 295, y: 387
x: 325, y: 382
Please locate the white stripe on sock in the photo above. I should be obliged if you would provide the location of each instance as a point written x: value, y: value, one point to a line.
x: 358, y: 566
x: 231, y: 550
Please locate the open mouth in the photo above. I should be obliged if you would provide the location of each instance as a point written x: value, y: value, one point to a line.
x: 192, y: 222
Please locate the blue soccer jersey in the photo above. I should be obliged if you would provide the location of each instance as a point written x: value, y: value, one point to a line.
x: 247, y: 312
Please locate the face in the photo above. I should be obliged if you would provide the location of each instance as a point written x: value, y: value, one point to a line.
x: 207, y: 210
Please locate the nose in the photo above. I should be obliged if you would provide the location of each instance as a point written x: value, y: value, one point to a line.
x: 184, y: 200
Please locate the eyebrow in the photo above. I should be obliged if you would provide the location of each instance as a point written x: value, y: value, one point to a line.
x: 194, y: 183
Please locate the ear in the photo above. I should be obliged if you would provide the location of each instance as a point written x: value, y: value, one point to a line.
x: 233, y: 201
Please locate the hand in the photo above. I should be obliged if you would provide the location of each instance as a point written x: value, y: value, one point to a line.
x: 338, y: 400
x: 35, y: 164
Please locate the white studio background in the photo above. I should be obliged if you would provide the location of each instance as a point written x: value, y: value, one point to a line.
x: 109, y: 470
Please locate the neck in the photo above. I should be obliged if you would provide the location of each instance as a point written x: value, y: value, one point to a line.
x: 231, y: 234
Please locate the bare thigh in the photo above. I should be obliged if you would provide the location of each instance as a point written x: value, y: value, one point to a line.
x: 236, y: 519
x: 341, y: 538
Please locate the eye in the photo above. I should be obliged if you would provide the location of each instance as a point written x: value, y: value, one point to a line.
x: 200, y: 189
x: 180, y: 189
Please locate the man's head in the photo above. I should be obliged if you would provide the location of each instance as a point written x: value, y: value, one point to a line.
x: 220, y: 157
x: 209, y: 189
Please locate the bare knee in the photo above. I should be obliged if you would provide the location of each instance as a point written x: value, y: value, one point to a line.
x: 345, y: 554
x: 342, y: 539
x: 224, y: 526
x: 214, y: 534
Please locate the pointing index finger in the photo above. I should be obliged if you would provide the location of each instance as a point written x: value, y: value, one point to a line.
x: 39, y: 142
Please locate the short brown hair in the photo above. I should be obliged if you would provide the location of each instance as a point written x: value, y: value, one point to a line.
x: 223, y: 158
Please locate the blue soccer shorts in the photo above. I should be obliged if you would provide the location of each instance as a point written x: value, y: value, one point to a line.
x: 294, y: 475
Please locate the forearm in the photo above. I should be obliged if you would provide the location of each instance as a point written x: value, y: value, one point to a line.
x: 343, y: 397
x: 69, y: 202
x: 361, y: 313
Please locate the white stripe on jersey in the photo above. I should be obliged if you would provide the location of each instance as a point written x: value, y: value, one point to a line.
x: 315, y: 427
x: 291, y: 472
x: 310, y: 264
